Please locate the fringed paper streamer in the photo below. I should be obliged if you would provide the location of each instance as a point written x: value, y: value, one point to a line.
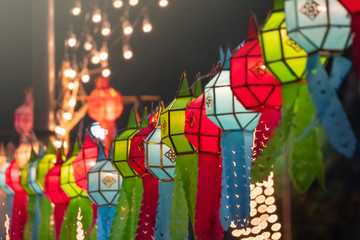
x: 105, y: 217
x: 3, y: 210
x: 59, y: 213
x: 179, y: 212
x: 69, y: 226
x: 207, y: 222
x: 127, y: 211
x: 35, y: 229
x: 269, y: 120
x: 46, y: 223
x: 162, y: 226
x: 235, y: 199
x: 9, y: 207
x: 19, y: 216
x: 328, y: 107
x: 30, y: 226
x: 147, y: 217
x: 355, y: 28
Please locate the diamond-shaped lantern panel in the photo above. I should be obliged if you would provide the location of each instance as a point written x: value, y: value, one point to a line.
x: 24, y: 173
x: 251, y: 83
x: 67, y: 180
x: 121, y: 148
x: 84, y: 161
x: 222, y: 107
x: 3, y: 184
x: 159, y: 158
x: 53, y: 190
x: 318, y: 25
x: 46, y: 163
x: 173, y: 120
x: 12, y: 176
x: 104, y: 182
x: 199, y: 129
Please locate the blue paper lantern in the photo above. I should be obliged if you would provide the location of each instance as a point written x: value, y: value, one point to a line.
x: 3, y: 184
x: 31, y: 178
x: 318, y: 25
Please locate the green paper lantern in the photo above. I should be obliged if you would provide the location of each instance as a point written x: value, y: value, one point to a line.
x: 67, y: 179
x: 121, y: 148
x: 44, y: 165
x: 24, y: 173
x: 318, y: 25
x: 173, y: 120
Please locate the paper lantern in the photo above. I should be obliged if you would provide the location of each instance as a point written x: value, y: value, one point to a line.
x: 23, y: 151
x: 318, y: 25
x: 84, y: 161
x: 24, y: 174
x: 43, y: 166
x: 105, y: 106
x: 3, y: 184
x: 32, y: 172
x: 24, y: 115
x: 159, y: 158
x: 104, y: 182
x: 13, y: 177
x: 251, y: 83
x: 122, y: 148
x: 350, y: 5
x: 67, y: 179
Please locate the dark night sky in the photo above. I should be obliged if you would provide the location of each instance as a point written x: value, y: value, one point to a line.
x: 186, y: 36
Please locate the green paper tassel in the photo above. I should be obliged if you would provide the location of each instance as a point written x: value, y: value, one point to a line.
x: 31, y: 208
x: 46, y: 224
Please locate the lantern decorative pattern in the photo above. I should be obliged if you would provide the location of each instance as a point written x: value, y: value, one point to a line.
x: 318, y: 25
x: 84, y: 161
x: 105, y: 106
x: 251, y: 83
x: 32, y: 172
x: 104, y: 182
x: 67, y: 180
x: 122, y: 148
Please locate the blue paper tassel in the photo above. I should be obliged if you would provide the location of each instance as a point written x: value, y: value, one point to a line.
x: 162, y: 226
x: 105, y: 217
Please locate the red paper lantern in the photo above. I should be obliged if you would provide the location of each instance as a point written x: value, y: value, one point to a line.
x: 84, y: 161
x: 13, y: 177
x: 105, y: 106
x: 24, y: 115
x: 351, y: 5
x: 251, y: 83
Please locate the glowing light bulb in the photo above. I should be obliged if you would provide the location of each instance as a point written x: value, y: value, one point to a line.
x: 57, y: 144
x: 67, y: 116
x: 147, y: 27
x: 59, y: 130
x: 72, y: 102
x: 106, y: 29
x: 106, y: 72
x: 163, y: 3
x: 127, y: 28
x: 127, y: 52
x: 76, y: 10
x: 70, y: 73
x: 95, y: 59
x: 103, y: 53
x: 88, y: 46
x: 92, y: 163
x: 71, y: 41
x: 71, y: 85
x: 65, y: 144
x: 85, y: 77
x: 96, y: 16
x: 133, y: 2
x: 117, y: 3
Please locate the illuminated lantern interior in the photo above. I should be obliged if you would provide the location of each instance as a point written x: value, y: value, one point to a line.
x: 46, y: 163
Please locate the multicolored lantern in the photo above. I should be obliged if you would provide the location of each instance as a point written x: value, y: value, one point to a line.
x: 104, y: 184
x: 318, y: 25
x: 56, y: 194
x: 205, y: 137
x: 237, y: 123
x: 122, y: 147
x: 24, y: 115
x: 84, y: 161
x: 172, y: 134
x: 105, y: 106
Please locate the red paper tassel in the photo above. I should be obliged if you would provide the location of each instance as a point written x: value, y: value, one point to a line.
x: 268, y: 122
x: 207, y: 222
x: 19, y: 216
x: 147, y: 217
x: 59, y: 213
x: 355, y: 28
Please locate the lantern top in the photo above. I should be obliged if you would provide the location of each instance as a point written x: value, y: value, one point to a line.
x: 102, y: 82
x: 196, y: 87
x: 352, y: 6
x: 101, y: 154
x: 278, y: 5
x: 184, y: 88
x: 225, y: 59
x: 132, y: 122
x: 253, y: 28
x: 144, y: 119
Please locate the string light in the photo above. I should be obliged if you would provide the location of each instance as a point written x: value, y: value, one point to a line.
x: 104, y: 53
x: 85, y: 77
x: 133, y: 2
x: 163, y: 3
x: 71, y: 85
x: 106, y: 72
x: 70, y: 73
x: 105, y: 30
x: 127, y: 28
x: 67, y: 116
x: 117, y: 3
x: 88, y: 46
x: 95, y: 59
x: 96, y: 16
x: 57, y: 144
x: 71, y: 41
x: 72, y: 102
x: 127, y: 53
x: 76, y: 10
x: 147, y: 27
x: 60, y: 130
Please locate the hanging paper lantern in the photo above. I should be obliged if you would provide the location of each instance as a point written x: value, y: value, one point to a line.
x: 237, y: 123
x: 23, y: 151
x: 251, y: 83
x: 172, y: 134
x: 122, y: 147
x: 104, y: 184
x: 205, y: 137
x: 3, y: 184
x: 105, y: 106
x: 24, y: 174
x: 43, y: 166
x: 32, y: 172
x: 67, y: 180
x: 24, y: 115
x: 84, y: 161
x: 318, y: 25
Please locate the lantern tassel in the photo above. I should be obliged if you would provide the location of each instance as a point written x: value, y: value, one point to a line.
x: 355, y: 28
x: 30, y: 226
x: 147, y: 217
x: 45, y: 228
x: 127, y: 211
x: 162, y: 226
x: 59, y: 213
x: 19, y: 216
x: 328, y: 107
x: 235, y: 198
x: 105, y: 217
x: 207, y: 222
